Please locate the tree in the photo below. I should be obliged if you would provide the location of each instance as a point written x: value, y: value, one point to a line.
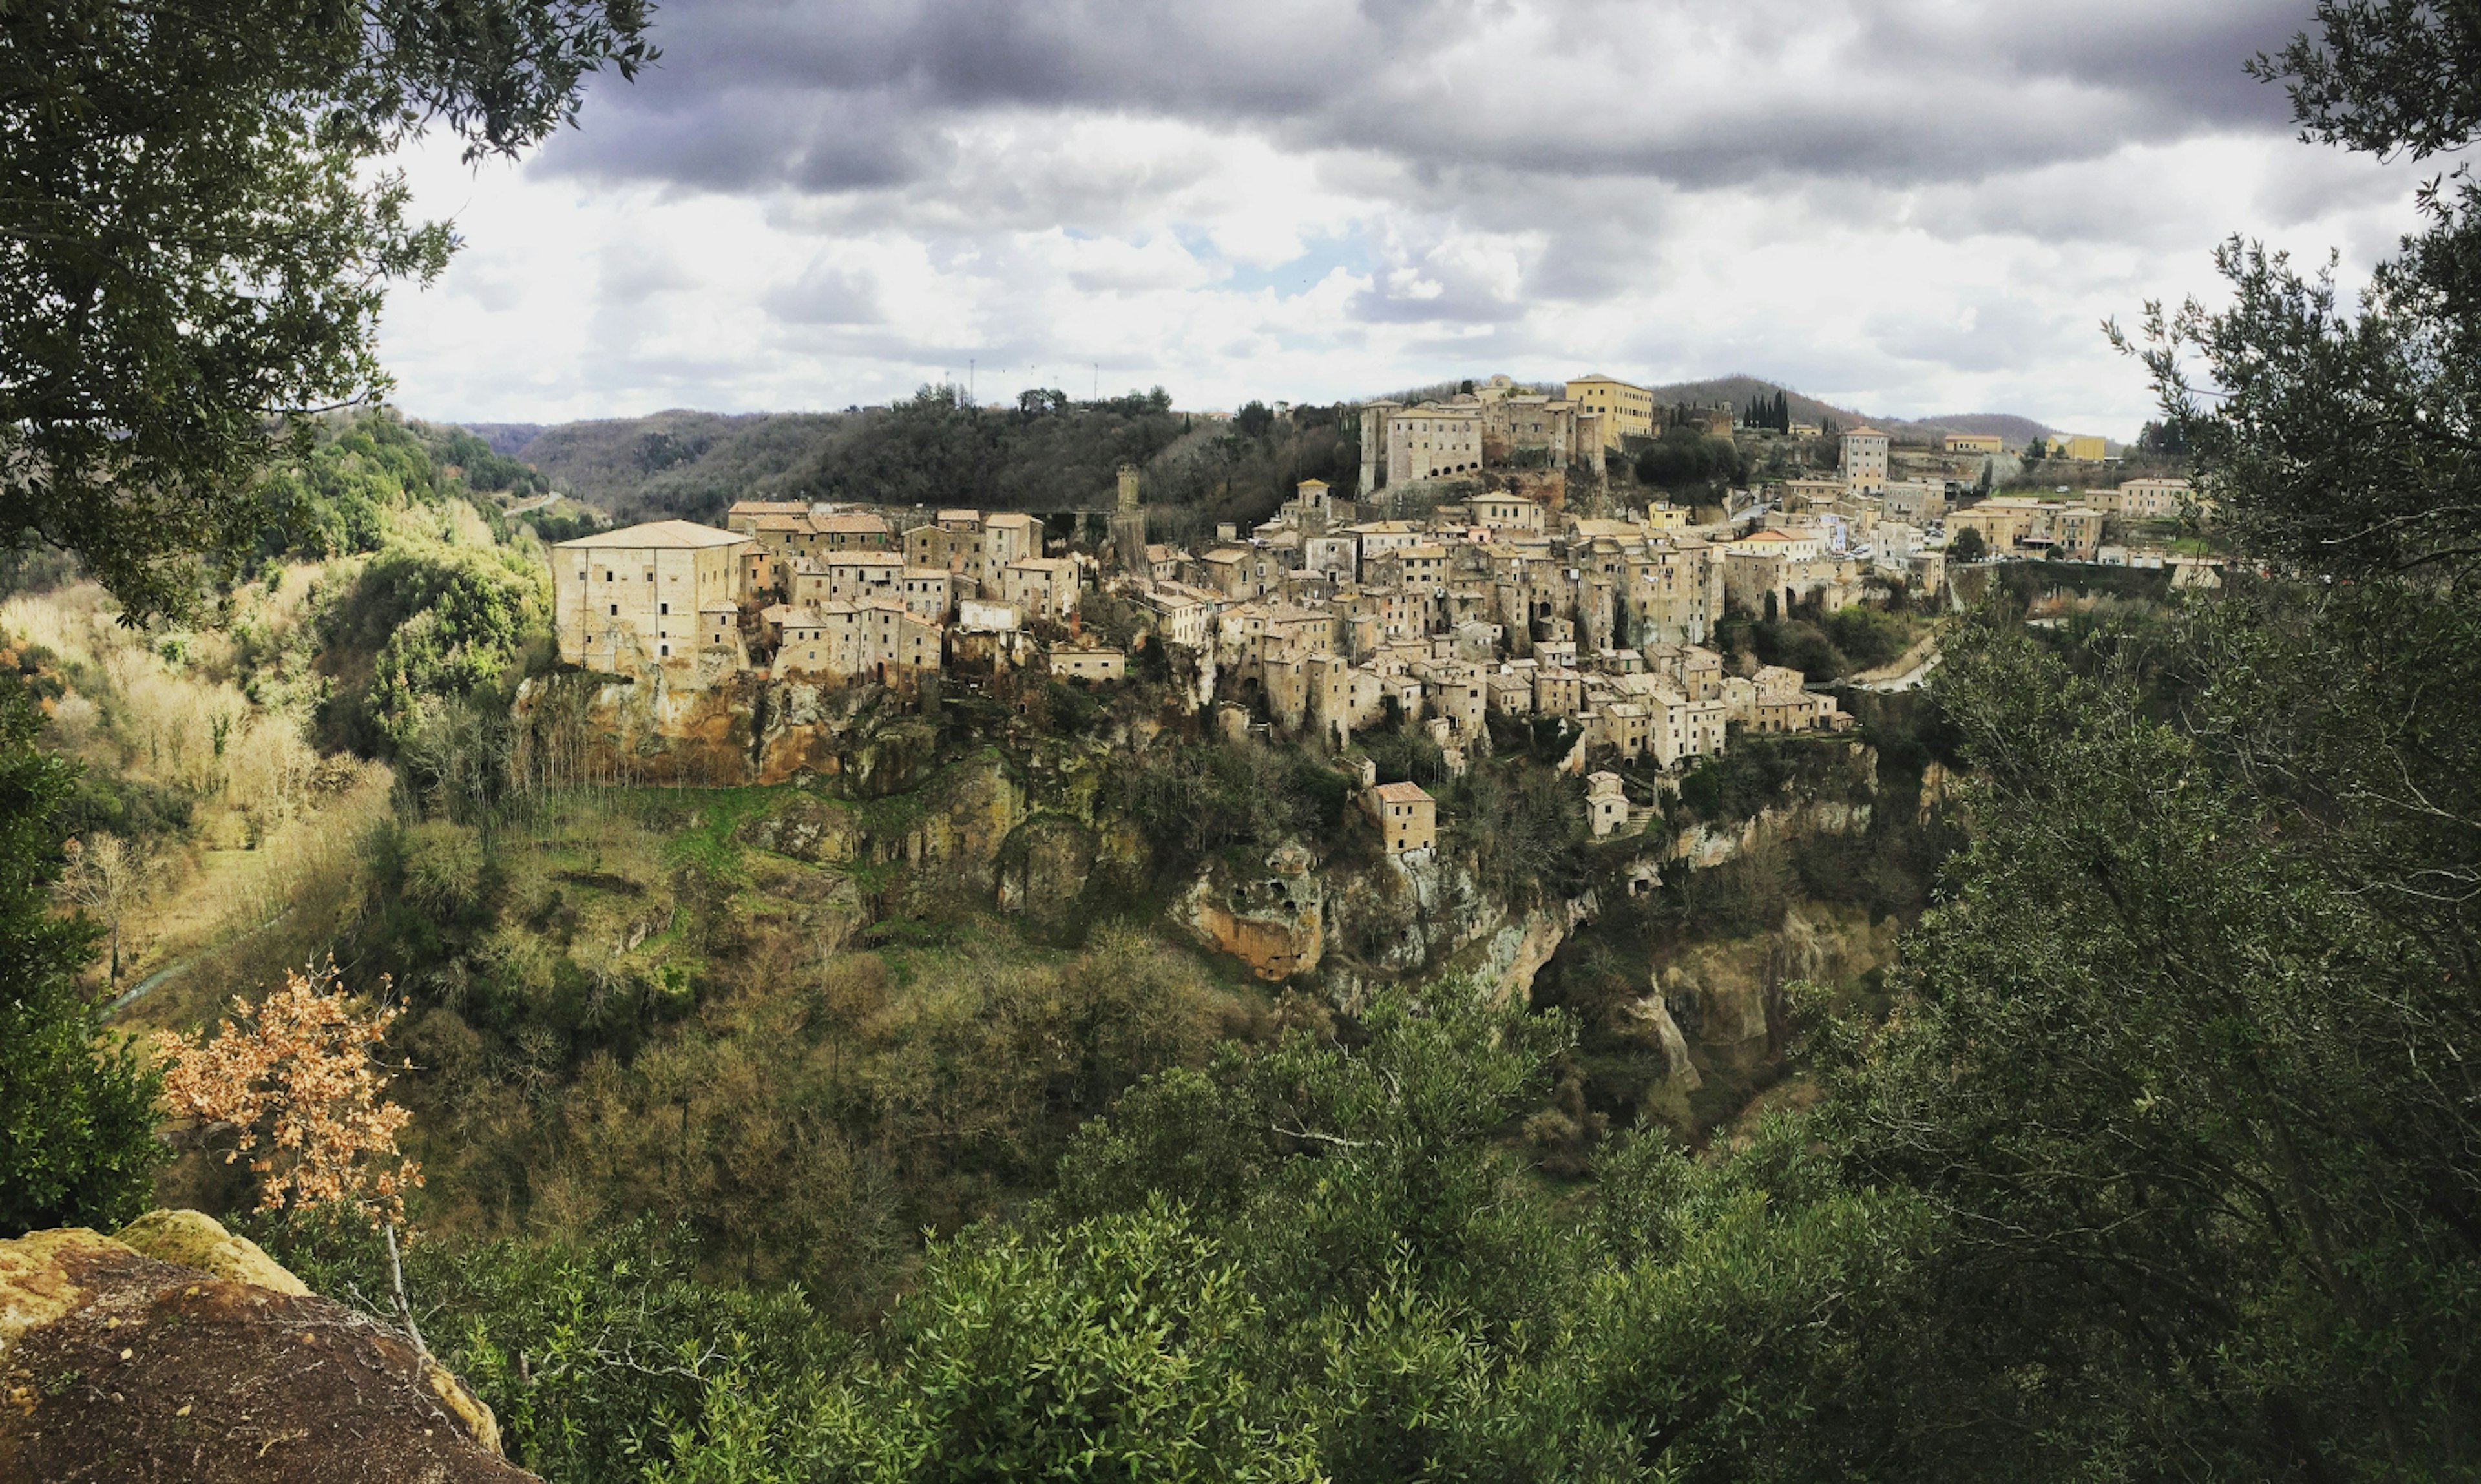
x: 293, y: 1082
x: 77, y: 1111
x: 1968, y: 545
x: 2158, y: 439
x: 198, y: 244
x: 106, y: 875
x: 2172, y: 1055
x: 1122, y: 1346
x: 1255, y: 420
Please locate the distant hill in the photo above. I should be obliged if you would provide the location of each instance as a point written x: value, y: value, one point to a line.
x: 505, y: 437
x: 930, y: 451
x: 679, y: 463
x: 692, y: 466
x: 1742, y: 390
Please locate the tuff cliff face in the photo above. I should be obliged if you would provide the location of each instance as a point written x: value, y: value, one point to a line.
x: 1275, y: 921
x: 1036, y: 823
x: 744, y: 731
x: 215, y: 1365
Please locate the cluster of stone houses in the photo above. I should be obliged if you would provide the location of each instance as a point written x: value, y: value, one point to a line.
x: 805, y: 591
x: 1314, y: 625
x: 1893, y: 524
x: 1498, y: 424
x: 1325, y: 625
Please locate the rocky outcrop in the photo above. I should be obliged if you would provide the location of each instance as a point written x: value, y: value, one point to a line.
x: 1044, y: 866
x: 196, y: 1240
x: 1648, y: 1021
x: 1705, y: 845
x: 1938, y: 787
x: 219, y: 1367
x: 856, y: 738
x: 1274, y: 923
x: 1509, y: 959
x: 1723, y: 993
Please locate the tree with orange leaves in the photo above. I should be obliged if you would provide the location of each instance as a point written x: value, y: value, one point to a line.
x: 295, y: 1080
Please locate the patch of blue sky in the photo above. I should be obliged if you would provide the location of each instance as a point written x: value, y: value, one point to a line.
x: 1348, y: 250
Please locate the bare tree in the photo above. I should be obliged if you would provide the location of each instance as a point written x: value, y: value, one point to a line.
x: 106, y: 875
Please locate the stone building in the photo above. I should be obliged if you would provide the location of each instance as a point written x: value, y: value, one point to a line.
x: 1008, y: 537
x: 1606, y: 804
x: 1914, y: 502
x: 1865, y: 460
x: 743, y: 518
x: 1076, y: 662
x: 1044, y: 587
x: 854, y: 531
x: 953, y: 540
x: 640, y: 600
x: 1432, y: 440
x: 1507, y: 512
x: 1407, y: 817
x: 1624, y: 410
x: 2150, y: 498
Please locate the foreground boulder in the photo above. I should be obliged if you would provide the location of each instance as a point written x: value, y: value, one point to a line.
x: 218, y: 1366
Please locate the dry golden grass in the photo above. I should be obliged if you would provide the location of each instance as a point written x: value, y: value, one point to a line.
x: 236, y: 919
x: 275, y: 824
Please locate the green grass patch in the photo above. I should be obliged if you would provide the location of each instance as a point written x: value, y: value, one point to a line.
x: 705, y: 836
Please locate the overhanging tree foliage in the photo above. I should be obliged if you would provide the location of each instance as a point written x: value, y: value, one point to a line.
x: 77, y: 1127
x: 193, y: 250
x: 2186, y: 1060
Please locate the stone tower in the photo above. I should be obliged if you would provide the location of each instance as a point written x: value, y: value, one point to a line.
x: 1374, y: 445
x: 1129, y: 524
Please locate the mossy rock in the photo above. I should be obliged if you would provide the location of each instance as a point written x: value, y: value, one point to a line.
x: 196, y: 1240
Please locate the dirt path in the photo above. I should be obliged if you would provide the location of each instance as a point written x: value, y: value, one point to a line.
x: 1909, y: 672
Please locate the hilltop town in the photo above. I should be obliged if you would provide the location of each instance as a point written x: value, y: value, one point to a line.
x: 1483, y: 568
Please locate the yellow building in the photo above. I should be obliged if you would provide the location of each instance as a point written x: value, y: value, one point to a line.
x: 1975, y: 443
x: 1406, y: 816
x: 656, y: 597
x: 1626, y: 409
x: 2081, y: 446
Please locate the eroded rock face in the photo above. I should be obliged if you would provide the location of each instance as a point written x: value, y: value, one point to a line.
x: 1649, y: 1021
x: 1721, y: 993
x: 115, y: 1365
x: 1707, y: 846
x: 1276, y: 922
x: 1511, y: 958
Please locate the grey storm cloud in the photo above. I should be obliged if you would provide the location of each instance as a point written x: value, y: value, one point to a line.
x: 1911, y: 200
x: 857, y: 96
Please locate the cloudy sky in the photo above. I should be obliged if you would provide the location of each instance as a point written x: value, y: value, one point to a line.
x: 1912, y: 206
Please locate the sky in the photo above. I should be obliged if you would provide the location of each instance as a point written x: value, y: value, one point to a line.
x: 1912, y: 207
